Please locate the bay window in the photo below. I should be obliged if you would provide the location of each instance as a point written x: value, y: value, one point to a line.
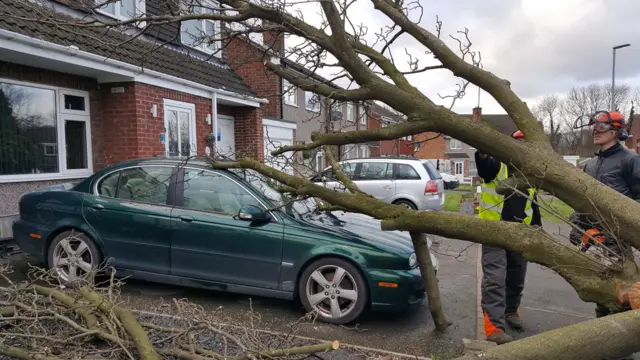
x: 45, y: 132
x: 350, y: 114
x: 201, y: 34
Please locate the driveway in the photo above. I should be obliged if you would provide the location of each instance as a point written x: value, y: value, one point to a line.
x: 410, y: 332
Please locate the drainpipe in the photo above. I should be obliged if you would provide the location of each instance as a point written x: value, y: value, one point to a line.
x: 214, y: 118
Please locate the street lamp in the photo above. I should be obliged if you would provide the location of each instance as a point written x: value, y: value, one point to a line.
x: 613, y: 74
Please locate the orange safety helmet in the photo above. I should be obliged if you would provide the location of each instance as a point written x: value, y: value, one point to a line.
x: 517, y: 135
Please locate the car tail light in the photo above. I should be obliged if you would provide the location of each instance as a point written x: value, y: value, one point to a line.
x: 432, y: 187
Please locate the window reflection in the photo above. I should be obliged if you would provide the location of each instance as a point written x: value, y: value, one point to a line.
x: 28, y: 130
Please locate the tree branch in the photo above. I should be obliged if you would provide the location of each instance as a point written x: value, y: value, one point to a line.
x: 498, y: 88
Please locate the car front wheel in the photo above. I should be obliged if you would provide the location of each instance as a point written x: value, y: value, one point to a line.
x: 333, y: 289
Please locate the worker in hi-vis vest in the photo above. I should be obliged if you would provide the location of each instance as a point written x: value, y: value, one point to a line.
x: 504, y: 271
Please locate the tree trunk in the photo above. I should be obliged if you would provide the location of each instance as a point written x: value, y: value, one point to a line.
x: 430, y: 280
x: 607, y: 337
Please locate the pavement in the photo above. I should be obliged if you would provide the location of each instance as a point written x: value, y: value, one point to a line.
x: 549, y: 302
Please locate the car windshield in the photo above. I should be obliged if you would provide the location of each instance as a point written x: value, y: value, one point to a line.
x: 267, y: 187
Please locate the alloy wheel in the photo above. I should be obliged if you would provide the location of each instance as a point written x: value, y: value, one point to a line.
x: 73, y: 259
x: 332, y: 291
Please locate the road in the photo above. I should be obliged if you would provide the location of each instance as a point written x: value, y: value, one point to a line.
x: 410, y: 332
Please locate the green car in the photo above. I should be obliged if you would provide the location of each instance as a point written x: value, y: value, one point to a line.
x: 181, y: 222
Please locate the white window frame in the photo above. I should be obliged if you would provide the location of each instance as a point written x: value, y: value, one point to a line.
x: 61, y: 116
x: 316, y: 107
x: 362, y: 114
x: 290, y: 96
x: 456, y: 142
x: 216, y: 24
x: 350, y: 115
x: 140, y: 5
x: 192, y: 125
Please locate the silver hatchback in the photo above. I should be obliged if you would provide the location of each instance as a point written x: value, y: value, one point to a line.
x: 414, y: 183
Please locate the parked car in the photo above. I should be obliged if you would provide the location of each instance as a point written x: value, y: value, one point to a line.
x: 414, y: 183
x: 163, y: 221
x: 450, y: 181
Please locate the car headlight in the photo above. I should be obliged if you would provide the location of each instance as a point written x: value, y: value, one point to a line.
x: 413, y: 260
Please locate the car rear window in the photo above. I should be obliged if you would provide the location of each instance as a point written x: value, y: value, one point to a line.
x: 431, y: 170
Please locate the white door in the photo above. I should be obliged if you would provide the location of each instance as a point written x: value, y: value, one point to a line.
x: 226, y: 137
x: 459, y: 170
x: 277, y: 134
x: 180, y: 128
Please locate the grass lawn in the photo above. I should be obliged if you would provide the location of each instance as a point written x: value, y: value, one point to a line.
x: 453, y: 199
x: 557, y: 206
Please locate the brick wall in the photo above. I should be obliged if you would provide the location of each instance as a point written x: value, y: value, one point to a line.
x: 131, y: 131
x: 248, y: 62
x: 432, y: 149
x: 249, y: 133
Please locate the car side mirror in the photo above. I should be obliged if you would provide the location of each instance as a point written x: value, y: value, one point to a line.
x: 253, y: 214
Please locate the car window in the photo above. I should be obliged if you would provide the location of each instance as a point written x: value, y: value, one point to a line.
x: 431, y: 170
x: 147, y: 184
x: 210, y: 191
x: 375, y: 171
x: 348, y: 168
x: 406, y: 172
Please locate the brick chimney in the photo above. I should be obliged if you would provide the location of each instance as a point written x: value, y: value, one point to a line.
x: 477, y: 114
x: 274, y: 40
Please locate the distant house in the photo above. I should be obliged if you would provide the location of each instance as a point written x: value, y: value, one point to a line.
x: 454, y: 157
x: 380, y: 117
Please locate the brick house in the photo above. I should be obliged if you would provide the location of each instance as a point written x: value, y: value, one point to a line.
x: 74, y: 100
x: 379, y: 117
x: 454, y: 157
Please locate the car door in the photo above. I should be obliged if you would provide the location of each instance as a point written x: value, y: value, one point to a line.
x: 209, y: 242
x: 131, y: 212
x: 376, y: 178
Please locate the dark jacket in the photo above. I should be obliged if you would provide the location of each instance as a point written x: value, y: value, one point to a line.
x: 616, y: 167
x: 514, y: 203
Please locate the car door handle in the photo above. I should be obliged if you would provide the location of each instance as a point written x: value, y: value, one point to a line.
x: 97, y: 206
x: 186, y: 218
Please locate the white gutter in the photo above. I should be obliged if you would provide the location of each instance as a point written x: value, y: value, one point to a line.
x: 74, y: 51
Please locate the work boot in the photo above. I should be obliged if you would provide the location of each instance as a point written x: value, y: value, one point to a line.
x: 515, y: 322
x: 499, y: 337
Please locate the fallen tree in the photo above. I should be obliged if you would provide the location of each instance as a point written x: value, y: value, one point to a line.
x: 379, y: 78
x: 41, y: 320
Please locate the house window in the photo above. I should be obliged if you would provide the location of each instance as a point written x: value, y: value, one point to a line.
x: 363, y: 151
x: 455, y: 144
x: 350, y: 114
x: 362, y: 115
x: 473, y: 170
x: 290, y: 93
x: 312, y: 101
x: 201, y: 34
x: 122, y: 9
x: 44, y: 133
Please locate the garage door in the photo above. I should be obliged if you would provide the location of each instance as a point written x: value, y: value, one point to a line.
x: 277, y: 134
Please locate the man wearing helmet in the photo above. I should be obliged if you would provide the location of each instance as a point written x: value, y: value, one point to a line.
x: 504, y: 271
x: 615, y: 166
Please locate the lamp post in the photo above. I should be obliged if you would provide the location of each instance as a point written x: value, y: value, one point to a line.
x: 613, y: 74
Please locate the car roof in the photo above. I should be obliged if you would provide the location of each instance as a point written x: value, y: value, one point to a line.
x: 163, y: 160
x: 386, y: 159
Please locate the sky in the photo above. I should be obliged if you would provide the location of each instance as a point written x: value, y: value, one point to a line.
x: 540, y: 46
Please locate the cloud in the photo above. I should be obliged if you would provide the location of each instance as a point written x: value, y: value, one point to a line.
x: 540, y: 46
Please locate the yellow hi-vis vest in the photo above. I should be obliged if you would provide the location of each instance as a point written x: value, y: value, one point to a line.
x: 490, y: 204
